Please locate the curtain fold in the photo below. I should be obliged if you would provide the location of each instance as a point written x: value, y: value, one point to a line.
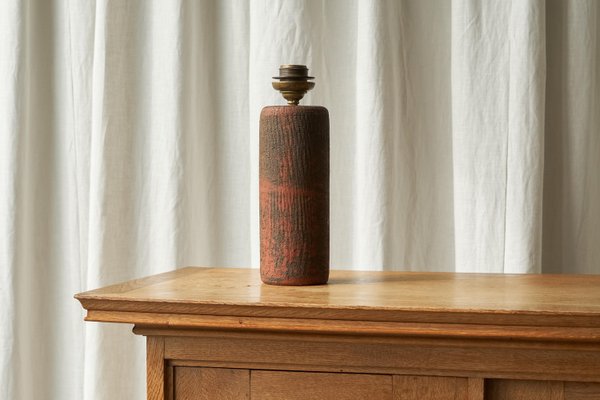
x: 498, y: 85
x: 571, y: 214
x: 465, y: 136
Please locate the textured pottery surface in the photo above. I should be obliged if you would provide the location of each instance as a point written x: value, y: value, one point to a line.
x: 294, y: 195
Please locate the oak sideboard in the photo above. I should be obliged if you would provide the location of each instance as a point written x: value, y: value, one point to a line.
x: 219, y: 333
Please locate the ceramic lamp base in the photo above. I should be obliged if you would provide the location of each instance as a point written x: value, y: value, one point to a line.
x: 294, y: 195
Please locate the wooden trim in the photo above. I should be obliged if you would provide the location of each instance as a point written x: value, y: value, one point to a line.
x: 169, y: 381
x: 155, y: 368
x: 350, y: 327
x: 481, y: 299
x: 313, y: 337
x: 149, y: 307
x: 463, y: 358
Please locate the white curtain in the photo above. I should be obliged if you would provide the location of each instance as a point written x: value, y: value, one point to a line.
x: 465, y: 136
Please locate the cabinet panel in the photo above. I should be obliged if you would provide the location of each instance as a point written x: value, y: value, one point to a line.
x: 582, y: 391
x: 274, y: 385
x: 430, y: 388
x: 523, y: 390
x: 211, y: 384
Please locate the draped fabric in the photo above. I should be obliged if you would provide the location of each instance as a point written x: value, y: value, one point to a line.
x: 465, y: 136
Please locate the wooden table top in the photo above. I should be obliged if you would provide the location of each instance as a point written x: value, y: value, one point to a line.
x: 209, y: 296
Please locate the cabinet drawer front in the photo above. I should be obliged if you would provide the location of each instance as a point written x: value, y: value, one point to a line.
x: 211, y: 384
x: 275, y: 385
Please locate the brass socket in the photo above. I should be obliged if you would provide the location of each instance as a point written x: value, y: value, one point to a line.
x: 293, y: 82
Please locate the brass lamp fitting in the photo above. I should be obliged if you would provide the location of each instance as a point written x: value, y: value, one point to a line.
x: 293, y: 82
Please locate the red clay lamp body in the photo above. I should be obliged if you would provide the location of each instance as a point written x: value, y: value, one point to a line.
x: 294, y: 186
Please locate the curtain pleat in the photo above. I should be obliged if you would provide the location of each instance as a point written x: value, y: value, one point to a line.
x: 571, y: 212
x: 498, y: 86
x: 465, y: 136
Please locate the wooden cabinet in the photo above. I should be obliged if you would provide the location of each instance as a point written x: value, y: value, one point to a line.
x: 221, y: 334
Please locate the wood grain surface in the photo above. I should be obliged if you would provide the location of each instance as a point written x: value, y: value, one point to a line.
x: 211, y: 384
x: 275, y: 385
x: 480, y: 299
x: 582, y: 391
x: 367, y: 354
x: 155, y: 368
x: 540, y: 390
x: 430, y: 388
x: 523, y: 390
x: 475, y: 389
